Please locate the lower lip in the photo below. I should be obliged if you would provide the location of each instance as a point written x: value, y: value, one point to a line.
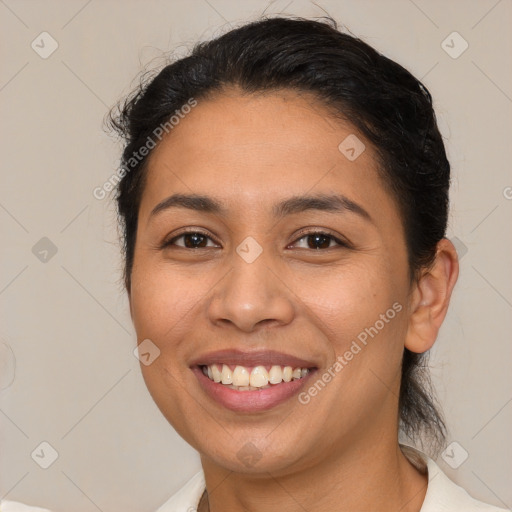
x: 253, y: 400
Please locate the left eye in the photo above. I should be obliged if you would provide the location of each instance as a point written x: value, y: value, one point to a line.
x: 319, y: 240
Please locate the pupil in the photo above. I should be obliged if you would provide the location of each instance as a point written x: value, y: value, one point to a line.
x: 319, y: 241
x: 194, y: 240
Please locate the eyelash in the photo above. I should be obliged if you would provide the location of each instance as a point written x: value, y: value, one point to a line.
x: 301, y: 235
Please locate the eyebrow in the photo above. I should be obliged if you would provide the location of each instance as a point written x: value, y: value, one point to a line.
x: 334, y: 203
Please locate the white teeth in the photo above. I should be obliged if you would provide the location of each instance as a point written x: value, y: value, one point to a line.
x: 241, y: 376
x: 287, y: 373
x: 227, y: 375
x: 275, y: 375
x: 217, y: 374
x: 259, y: 378
x: 247, y: 388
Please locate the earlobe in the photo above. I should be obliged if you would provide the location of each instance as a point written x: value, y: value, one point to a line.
x: 431, y: 297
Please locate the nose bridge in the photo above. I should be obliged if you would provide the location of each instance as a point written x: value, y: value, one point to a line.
x: 252, y: 292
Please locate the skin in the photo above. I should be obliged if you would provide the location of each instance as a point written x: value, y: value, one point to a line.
x: 340, y: 450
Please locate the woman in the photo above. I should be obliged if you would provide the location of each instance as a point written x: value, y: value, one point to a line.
x: 284, y: 198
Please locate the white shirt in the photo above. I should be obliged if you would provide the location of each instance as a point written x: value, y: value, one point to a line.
x: 442, y: 495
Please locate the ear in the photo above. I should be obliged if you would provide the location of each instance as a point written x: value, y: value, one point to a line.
x: 430, y: 298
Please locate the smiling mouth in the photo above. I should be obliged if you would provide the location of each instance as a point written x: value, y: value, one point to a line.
x: 246, y: 378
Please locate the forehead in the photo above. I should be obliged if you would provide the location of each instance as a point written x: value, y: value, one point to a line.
x: 251, y: 149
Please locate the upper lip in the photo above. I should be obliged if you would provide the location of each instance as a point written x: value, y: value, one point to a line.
x: 251, y: 358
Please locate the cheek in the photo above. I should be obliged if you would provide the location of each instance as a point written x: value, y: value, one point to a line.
x: 163, y: 305
x: 162, y: 301
x: 358, y: 307
x: 346, y: 300
x: 361, y: 311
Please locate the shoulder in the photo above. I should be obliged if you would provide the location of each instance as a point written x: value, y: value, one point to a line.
x: 14, y: 506
x: 443, y: 495
x: 187, y: 498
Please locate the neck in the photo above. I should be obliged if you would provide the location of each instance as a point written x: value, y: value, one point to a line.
x: 373, y: 477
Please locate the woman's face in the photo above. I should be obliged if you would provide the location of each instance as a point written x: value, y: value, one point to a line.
x: 271, y: 269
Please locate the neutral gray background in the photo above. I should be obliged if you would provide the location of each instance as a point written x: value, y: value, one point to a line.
x: 68, y: 375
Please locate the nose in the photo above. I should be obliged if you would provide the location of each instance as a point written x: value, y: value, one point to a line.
x: 250, y: 296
